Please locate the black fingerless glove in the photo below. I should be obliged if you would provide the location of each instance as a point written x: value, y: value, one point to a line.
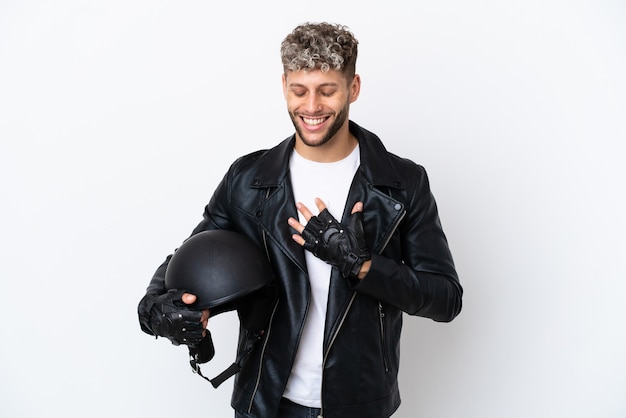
x: 341, y: 246
x: 168, y: 316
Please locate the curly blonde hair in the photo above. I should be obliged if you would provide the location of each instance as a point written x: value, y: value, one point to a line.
x: 323, y: 46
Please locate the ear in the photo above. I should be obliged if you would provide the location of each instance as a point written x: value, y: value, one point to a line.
x: 284, y: 81
x: 355, y: 88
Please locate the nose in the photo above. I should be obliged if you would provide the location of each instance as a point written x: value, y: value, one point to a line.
x: 313, y: 103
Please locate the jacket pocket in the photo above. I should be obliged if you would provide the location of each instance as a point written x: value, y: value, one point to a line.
x: 383, y: 336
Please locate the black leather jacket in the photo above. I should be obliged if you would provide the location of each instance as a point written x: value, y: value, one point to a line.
x: 412, y: 271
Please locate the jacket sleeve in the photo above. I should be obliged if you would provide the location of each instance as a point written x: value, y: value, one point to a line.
x: 424, y: 282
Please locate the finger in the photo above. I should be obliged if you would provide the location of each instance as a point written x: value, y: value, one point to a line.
x: 295, y: 225
x: 205, y: 318
x: 298, y: 238
x: 188, y: 298
x: 358, y: 207
x: 304, y: 211
x: 320, y: 204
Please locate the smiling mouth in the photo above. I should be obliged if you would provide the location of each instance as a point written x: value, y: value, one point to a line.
x: 314, y: 121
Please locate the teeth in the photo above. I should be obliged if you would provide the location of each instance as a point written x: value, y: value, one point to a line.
x: 310, y: 121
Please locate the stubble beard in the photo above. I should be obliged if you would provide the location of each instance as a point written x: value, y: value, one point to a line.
x: 330, y: 133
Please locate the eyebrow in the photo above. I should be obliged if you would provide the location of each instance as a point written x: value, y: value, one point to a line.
x: 328, y: 84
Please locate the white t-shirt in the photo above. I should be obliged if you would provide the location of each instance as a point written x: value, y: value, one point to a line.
x: 331, y: 183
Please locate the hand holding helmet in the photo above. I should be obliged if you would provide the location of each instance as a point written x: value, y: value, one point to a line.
x: 224, y: 270
x: 171, y: 318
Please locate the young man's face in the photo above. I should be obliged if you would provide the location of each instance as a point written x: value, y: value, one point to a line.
x: 319, y: 103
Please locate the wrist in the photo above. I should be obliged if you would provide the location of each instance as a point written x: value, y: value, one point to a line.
x: 365, y: 268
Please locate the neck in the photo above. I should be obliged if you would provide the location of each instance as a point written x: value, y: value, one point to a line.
x: 336, y: 149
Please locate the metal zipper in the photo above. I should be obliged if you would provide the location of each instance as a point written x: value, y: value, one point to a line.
x: 258, y: 377
x: 343, y: 318
x: 267, y: 335
x: 393, y: 230
x: 381, y: 314
x: 383, y: 344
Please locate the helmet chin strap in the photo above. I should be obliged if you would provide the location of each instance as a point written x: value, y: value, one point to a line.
x: 217, y: 380
x: 197, y: 356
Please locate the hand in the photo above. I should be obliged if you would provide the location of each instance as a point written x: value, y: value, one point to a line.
x: 190, y: 299
x: 339, y: 245
x: 171, y: 318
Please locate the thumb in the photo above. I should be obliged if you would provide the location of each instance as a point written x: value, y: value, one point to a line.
x: 358, y: 207
x: 188, y: 298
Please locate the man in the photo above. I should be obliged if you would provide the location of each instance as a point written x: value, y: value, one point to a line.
x: 353, y: 235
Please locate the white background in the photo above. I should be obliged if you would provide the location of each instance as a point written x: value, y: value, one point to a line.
x: 118, y: 119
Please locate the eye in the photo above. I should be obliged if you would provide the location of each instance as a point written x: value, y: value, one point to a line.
x: 327, y: 93
x: 298, y: 92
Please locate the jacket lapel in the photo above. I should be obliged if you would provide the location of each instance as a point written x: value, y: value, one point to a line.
x: 376, y: 178
x: 278, y: 204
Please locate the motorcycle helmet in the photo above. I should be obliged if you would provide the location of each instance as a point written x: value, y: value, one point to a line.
x: 219, y: 267
x: 226, y: 271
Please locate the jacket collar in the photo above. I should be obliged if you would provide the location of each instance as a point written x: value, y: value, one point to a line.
x: 376, y: 166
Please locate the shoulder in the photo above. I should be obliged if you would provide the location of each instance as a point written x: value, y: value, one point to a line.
x: 264, y: 166
x: 405, y: 164
x: 245, y: 162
